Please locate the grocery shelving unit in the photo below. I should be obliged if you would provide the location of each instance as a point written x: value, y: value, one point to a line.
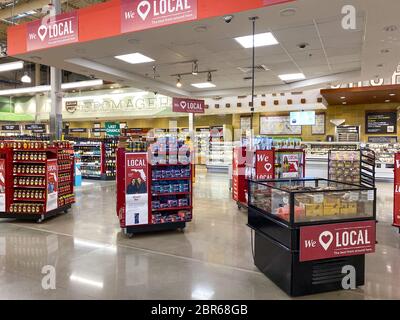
x: 110, y: 148
x: 33, y: 178
x: 168, y: 203
x: 92, y: 155
x: 385, y: 153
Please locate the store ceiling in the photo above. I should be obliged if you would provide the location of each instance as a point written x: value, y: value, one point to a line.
x: 364, y: 95
x: 332, y: 55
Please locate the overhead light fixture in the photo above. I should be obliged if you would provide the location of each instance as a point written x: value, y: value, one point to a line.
x: 203, y: 85
x: 195, y: 68
x: 18, y: 65
x: 387, y: 100
x: 178, y: 82
x: 209, y: 77
x: 288, y: 12
x: 342, y: 98
x: 260, y: 40
x: 292, y: 76
x: 134, y: 58
x: 26, y: 78
x: 344, y: 102
x: 392, y: 94
x: 82, y: 84
x: 38, y: 89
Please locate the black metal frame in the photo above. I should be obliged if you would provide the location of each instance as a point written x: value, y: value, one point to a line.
x: 36, y: 217
x: 155, y: 227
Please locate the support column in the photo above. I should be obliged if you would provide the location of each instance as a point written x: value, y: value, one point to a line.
x: 191, y: 127
x: 37, y: 97
x: 56, y: 93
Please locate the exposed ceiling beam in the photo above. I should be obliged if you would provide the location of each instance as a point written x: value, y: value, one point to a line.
x: 24, y: 7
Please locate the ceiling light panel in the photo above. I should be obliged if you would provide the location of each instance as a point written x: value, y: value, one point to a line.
x: 292, y: 76
x: 134, y: 58
x: 260, y: 40
x: 203, y: 85
x: 18, y: 65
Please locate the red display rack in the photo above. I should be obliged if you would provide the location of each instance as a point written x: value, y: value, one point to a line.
x: 239, y: 184
x: 29, y: 180
x: 396, y: 202
x: 164, y: 203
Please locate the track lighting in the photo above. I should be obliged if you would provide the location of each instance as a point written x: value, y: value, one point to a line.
x: 195, y: 68
x: 209, y: 77
x: 178, y: 82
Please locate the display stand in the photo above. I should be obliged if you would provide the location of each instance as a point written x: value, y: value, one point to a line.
x: 162, y: 202
x: 239, y: 184
x: 36, y: 181
x: 308, y: 230
x: 396, y: 198
x: 357, y: 167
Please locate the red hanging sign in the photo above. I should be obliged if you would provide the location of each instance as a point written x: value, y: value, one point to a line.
x: 144, y: 14
x: 265, y: 164
x: 53, y: 31
x: 337, y: 240
x: 187, y: 105
x: 396, y: 211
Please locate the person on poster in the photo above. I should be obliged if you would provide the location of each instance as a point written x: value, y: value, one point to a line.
x: 138, y: 183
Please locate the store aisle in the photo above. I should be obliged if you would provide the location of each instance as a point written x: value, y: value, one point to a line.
x: 211, y: 260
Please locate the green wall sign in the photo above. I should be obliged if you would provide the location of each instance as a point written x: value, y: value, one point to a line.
x: 113, y: 129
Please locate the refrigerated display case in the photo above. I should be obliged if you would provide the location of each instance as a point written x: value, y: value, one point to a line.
x: 307, y: 230
x: 385, y: 153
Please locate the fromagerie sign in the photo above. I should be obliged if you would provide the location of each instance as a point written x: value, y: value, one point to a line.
x: 144, y: 14
x: 53, y: 31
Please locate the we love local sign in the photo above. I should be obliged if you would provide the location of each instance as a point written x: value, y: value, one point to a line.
x: 187, y: 105
x: 144, y: 14
x: 53, y: 31
x: 337, y: 240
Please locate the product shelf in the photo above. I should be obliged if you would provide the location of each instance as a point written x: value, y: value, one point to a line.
x: 29, y: 200
x: 172, y: 209
x: 28, y: 175
x: 30, y: 161
x: 171, y: 179
x: 29, y: 187
x: 170, y: 194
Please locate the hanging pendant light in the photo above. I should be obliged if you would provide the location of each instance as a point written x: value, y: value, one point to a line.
x: 26, y: 78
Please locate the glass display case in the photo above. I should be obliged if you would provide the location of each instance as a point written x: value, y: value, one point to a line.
x: 311, y: 200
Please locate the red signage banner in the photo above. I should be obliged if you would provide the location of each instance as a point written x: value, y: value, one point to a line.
x: 265, y: 164
x: 144, y: 14
x: 188, y: 105
x: 53, y: 31
x: 337, y: 240
x: 396, y: 211
x: 2, y: 185
x: 136, y: 189
x: 52, y: 185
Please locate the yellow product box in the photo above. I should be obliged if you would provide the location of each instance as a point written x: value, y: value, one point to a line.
x: 314, y: 209
x: 348, y: 208
x: 332, y: 204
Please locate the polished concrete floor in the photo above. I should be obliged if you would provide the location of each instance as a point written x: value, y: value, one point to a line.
x: 211, y: 260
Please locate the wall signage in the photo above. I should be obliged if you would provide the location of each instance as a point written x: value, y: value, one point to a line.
x: 35, y: 126
x: 71, y: 106
x: 337, y: 240
x: 77, y: 130
x: 187, y: 105
x: 136, y: 191
x: 11, y: 127
x: 383, y: 122
x: 278, y: 125
x: 113, y: 129
x: 53, y: 31
x: 144, y: 14
x: 389, y: 139
x: 396, y: 211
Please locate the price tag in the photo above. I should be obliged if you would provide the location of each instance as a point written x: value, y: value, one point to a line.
x: 354, y: 196
x: 371, y: 195
x: 319, y: 198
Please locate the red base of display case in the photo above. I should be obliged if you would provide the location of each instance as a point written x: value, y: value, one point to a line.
x: 36, y: 217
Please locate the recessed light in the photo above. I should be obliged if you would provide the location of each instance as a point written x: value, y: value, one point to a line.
x: 387, y: 100
x: 385, y: 51
x: 344, y: 102
x: 292, y: 76
x: 260, y: 40
x: 288, y: 12
x: 392, y: 94
x: 17, y: 65
x: 342, y: 98
x: 134, y: 58
x: 203, y: 85
x: 380, y: 65
x: 200, y: 28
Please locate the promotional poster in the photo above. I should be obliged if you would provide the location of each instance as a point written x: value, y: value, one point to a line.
x: 136, y: 189
x: 52, y: 185
x: 265, y: 164
x: 2, y: 185
x: 396, y: 211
